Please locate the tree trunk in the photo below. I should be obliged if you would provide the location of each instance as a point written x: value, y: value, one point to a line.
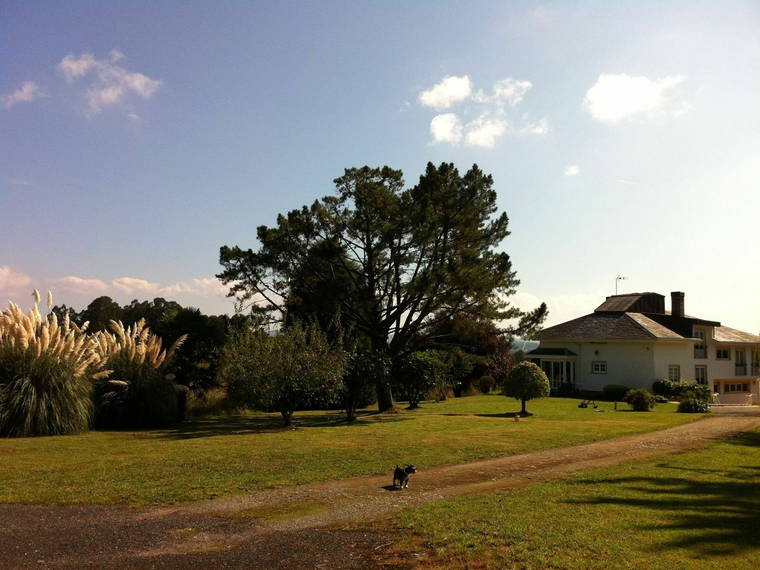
x: 384, y: 397
x: 523, y: 411
x: 287, y: 416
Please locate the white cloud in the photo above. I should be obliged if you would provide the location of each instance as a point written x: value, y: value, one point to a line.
x: 73, y: 67
x: 450, y: 90
x: 485, y: 131
x: 131, y: 285
x: 203, y: 286
x: 14, y: 282
x: 492, y: 108
x: 507, y: 91
x: 446, y: 128
x: 572, y: 170
x: 111, y: 84
x: 614, y: 98
x: 198, y: 286
x: 80, y: 285
x: 538, y: 128
x: 29, y: 91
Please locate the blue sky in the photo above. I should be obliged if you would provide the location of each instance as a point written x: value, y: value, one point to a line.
x: 136, y: 138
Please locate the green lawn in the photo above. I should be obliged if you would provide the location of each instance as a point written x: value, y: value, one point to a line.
x: 224, y: 456
x: 699, y: 509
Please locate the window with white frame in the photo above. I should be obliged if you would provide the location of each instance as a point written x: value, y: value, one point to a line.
x: 722, y: 353
x: 732, y: 387
x: 674, y: 372
x: 599, y: 367
x: 700, y: 348
x: 700, y: 374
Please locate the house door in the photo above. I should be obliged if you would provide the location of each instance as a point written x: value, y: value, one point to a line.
x: 559, y: 372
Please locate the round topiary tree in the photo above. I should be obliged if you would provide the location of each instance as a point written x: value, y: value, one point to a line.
x: 526, y: 381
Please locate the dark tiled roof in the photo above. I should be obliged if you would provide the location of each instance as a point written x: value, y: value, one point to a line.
x: 633, y: 302
x: 658, y: 330
x: 551, y: 352
x: 609, y: 326
x: 618, y: 303
x: 727, y: 334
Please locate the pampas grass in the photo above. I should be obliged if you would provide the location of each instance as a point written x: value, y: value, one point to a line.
x: 138, y: 395
x: 46, y: 372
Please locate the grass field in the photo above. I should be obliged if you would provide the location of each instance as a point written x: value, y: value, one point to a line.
x: 224, y: 456
x: 699, y: 509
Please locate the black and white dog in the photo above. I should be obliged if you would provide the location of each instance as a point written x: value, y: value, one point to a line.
x: 401, y: 475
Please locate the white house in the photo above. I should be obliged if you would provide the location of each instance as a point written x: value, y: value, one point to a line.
x: 632, y: 340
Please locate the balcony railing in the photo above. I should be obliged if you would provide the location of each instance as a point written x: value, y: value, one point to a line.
x: 700, y: 352
x: 740, y: 370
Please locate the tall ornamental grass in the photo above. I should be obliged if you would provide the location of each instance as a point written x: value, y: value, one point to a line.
x: 138, y: 394
x: 47, y: 370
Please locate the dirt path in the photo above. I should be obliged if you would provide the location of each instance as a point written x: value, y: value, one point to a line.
x: 308, y: 526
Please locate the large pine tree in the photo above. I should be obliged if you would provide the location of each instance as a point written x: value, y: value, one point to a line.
x: 411, y: 258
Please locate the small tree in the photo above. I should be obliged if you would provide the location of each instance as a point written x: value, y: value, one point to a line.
x: 501, y: 363
x: 362, y: 370
x: 284, y: 372
x: 526, y: 381
x: 416, y: 375
x: 460, y: 366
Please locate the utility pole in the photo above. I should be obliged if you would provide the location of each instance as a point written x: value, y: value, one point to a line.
x: 618, y: 279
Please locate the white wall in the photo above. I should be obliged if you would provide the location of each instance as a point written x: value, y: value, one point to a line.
x: 676, y: 353
x: 628, y: 363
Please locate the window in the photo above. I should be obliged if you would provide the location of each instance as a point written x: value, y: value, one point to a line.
x: 700, y: 374
x: 599, y: 367
x: 674, y: 372
x: 728, y: 388
x: 722, y: 353
x: 756, y: 363
x: 700, y: 348
x: 740, y: 362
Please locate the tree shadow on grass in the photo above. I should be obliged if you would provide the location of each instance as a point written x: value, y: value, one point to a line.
x: 259, y: 424
x: 717, y: 511
x: 507, y: 415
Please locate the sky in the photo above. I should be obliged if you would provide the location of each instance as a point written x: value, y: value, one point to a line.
x: 137, y: 138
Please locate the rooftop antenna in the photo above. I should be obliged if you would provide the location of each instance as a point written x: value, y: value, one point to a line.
x: 618, y: 279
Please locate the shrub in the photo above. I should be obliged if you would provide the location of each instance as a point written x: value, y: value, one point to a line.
x: 139, y: 394
x: 210, y: 402
x: 664, y: 387
x: 615, y: 392
x: 526, y: 381
x: 682, y: 390
x: 692, y: 391
x: 693, y: 406
x: 640, y: 400
x: 46, y: 372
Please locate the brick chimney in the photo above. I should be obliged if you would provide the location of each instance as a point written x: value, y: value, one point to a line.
x: 677, y: 303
